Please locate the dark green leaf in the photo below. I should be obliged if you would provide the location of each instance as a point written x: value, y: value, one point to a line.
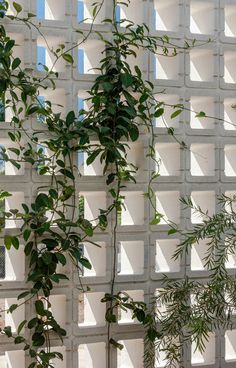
x: 159, y: 112
x: 16, y: 62
x: 19, y: 339
x: 39, y: 307
x: 68, y: 58
x: 12, y: 308
x: 17, y: 7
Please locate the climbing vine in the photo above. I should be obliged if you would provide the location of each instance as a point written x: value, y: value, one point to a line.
x: 54, y: 226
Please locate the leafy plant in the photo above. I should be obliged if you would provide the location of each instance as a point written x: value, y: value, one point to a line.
x: 54, y: 224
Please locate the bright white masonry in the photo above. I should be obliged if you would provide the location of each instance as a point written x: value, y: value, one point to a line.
x: 202, y: 79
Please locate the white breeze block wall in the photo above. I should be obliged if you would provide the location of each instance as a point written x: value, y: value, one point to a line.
x: 203, y: 79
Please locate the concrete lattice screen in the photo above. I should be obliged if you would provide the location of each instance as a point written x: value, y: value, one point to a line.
x: 203, y: 79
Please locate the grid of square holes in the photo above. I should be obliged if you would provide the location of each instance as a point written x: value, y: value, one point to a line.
x: 203, y: 79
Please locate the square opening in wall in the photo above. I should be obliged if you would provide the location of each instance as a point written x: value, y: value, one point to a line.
x: 88, y: 355
x: 229, y: 67
x: 89, y: 56
x: 165, y: 249
x: 131, y: 356
x: 198, y: 253
x: 13, y: 202
x: 168, y: 205
x: 51, y: 9
x: 57, y: 99
x: 202, y: 17
x: 18, y: 50
x: 12, y: 359
x: 230, y: 25
x: 230, y: 114
x: 90, y: 204
x: 201, y: 65
x: 231, y: 253
x: 85, y: 10
x: 10, y: 267
x: 91, y: 311
x: 230, y: 162
x: 11, y: 9
x: 125, y: 317
x: 230, y: 346
x: 12, y: 319
x: 97, y: 257
x: 166, y: 15
x: 135, y: 156
x: 166, y: 67
x: 130, y: 13
x: 168, y: 157
x: 206, y: 201
x: 204, y: 358
x: 130, y: 258
x: 58, y: 309
x: 133, y: 211
x: 165, y: 120
x: 202, y: 159
x: 45, y: 55
x: 206, y: 105
x: 6, y: 167
x: 93, y: 169
x: 230, y: 205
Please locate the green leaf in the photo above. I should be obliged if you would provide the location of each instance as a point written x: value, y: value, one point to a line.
x: 68, y: 58
x: 42, y: 201
x: 21, y: 326
x: 140, y: 315
x: 70, y: 118
x: 67, y: 173
x: 126, y: 79
x: 16, y: 62
x: 47, y: 258
x: 15, y: 242
x: 32, y: 323
x: 176, y: 113
x: 19, y: 339
x: 39, y: 307
x: 53, y: 193
x: 12, y: 308
x: 155, y: 221
x: 85, y: 262
x: 17, y: 7
x: 26, y: 234
x: 159, y: 112
x: 12, y: 136
x: 31, y: 15
x: 92, y: 156
x: 7, y: 331
x: 172, y: 231
x: 28, y: 248
x: 55, y: 278
x: 201, y: 114
x: 23, y: 295
x: 61, y: 258
x: 38, y: 339
x: 133, y: 132
x: 7, y: 241
x: 4, y: 195
x: 89, y: 231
